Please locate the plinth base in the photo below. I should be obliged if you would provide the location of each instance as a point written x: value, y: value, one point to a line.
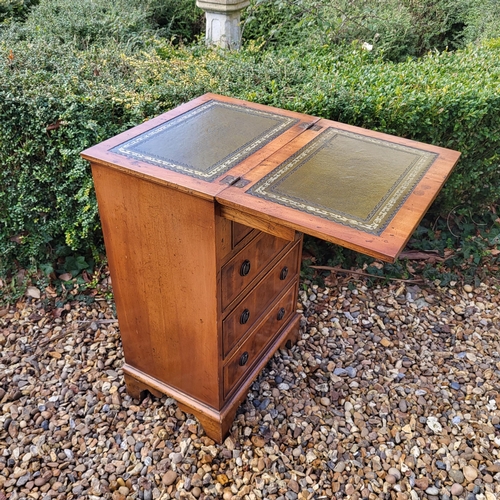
x: 215, y: 422
x: 223, y: 22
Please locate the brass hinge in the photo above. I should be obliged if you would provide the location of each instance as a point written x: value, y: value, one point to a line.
x: 238, y: 182
x: 311, y: 126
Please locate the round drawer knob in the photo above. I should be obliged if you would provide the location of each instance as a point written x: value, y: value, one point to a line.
x: 244, y: 359
x: 245, y: 268
x: 281, y: 314
x: 245, y: 315
x: 284, y: 273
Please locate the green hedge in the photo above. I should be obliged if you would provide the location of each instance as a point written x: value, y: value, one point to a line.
x: 57, y: 99
x: 447, y: 99
x: 15, y: 9
x: 396, y: 29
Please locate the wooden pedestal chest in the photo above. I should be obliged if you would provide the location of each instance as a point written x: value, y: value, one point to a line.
x: 203, y: 210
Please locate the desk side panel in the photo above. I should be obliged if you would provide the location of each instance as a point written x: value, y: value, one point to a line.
x: 160, y: 245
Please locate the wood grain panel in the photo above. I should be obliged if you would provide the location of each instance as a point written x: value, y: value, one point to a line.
x: 235, y: 370
x: 244, y: 218
x: 258, y: 253
x: 160, y: 245
x: 239, y: 231
x: 258, y: 300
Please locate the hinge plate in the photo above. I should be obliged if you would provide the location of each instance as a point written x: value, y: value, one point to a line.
x: 311, y: 126
x: 238, y: 182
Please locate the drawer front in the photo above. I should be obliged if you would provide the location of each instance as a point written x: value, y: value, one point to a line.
x: 239, y: 231
x: 250, y: 352
x: 247, y: 264
x: 246, y: 314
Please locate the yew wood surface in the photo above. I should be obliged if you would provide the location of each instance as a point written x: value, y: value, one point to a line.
x: 239, y: 231
x: 227, y: 246
x: 161, y: 249
x: 176, y: 180
x: 175, y: 245
x: 253, y: 346
x: 259, y: 252
x: 216, y: 423
x: 267, y: 226
x: 258, y: 300
x: 224, y: 238
x: 385, y: 246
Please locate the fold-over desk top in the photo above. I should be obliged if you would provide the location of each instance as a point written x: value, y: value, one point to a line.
x: 282, y: 171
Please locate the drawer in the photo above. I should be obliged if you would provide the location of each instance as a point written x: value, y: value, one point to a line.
x: 246, y: 314
x: 247, y: 264
x: 250, y: 352
x: 239, y: 231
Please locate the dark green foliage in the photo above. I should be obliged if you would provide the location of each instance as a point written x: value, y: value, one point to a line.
x: 88, y: 22
x: 459, y: 246
x: 15, y: 9
x: 52, y: 107
x: 62, y: 90
x: 181, y: 20
x: 396, y: 29
x: 466, y: 240
x: 482, y: 20
x: 85, y: 23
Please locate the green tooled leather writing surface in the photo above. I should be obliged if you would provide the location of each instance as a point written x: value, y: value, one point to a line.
x: 352, y: 179
x: 208, y: 140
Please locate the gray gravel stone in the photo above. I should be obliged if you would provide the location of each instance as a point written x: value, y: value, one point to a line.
x: 456, y: 476
x: 432, y: 490
x: 343, y: 414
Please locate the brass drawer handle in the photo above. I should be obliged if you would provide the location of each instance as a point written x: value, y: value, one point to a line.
x: 245, y: 268
x: 281, y: 314
x: 245, y: 315
x: 284, y: 273
x: 244, y: 359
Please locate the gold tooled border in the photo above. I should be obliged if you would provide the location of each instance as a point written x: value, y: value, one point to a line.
x: 216, y: 170
x: 382, y: 213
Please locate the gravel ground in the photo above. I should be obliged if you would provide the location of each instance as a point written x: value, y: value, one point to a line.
x: 393, y: 392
